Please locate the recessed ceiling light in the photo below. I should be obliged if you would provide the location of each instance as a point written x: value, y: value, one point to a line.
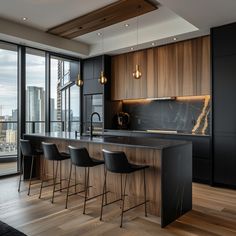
x: 126, y: 25
x: 24, y: 18
x: 132, y: 49
x: 99, y: 34
x: 174, y: 38
x: 153, y: 44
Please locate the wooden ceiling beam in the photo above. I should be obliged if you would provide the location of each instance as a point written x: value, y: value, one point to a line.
x: 111, y: 14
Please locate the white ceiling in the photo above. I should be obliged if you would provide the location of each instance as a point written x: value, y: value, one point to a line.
x: 174, y: 18
x: 45, y: 14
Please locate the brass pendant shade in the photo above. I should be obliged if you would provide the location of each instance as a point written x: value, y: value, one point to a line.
x: 102, y: 79
x: 79, y: 82
x: 137, y: 73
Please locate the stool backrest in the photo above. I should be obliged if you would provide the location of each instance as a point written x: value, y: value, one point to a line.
x: 26, y: 148
x: 116, y: 162
x: 80, y: 157
x: 50, y: 151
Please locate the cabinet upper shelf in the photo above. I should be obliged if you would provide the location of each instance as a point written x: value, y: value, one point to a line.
x: 178, y: 69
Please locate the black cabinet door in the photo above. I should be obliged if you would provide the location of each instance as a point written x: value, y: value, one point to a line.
x: 74, y: 70
x: 201, y: 170
x: 97, y: 67
x: 224, y: 112
x: 224, y: 39
x: 224, y: 95
x: 225, y: 160
x: 88, y: 69
x: 91, y: 71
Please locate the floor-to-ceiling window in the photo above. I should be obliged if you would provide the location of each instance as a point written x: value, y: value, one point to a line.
x: 35, y: 91
x: 64, y: 95
x: 8, y: 108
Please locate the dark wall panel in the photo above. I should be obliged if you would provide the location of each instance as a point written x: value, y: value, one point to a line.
x: 224, y: 109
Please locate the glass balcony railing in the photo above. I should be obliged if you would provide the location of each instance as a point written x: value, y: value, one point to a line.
x: 8, y: 133
x: 8, y: 138
x: 56, y: 126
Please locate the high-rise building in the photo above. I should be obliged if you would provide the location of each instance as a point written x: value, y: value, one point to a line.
x: 11, y: 136
x: 35, y: 100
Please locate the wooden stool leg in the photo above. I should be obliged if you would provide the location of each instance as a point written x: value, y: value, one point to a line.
x: 68, y: 187
x: 123, y: 203
x: 31, y: 171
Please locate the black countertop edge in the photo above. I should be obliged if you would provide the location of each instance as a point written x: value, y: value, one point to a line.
x: 142, y: 142
x: 179, y: 133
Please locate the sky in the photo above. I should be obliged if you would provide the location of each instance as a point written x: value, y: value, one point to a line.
x: 35, y: 76
x: 8, y: 81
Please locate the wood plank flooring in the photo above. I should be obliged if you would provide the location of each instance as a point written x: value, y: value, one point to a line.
x: 8, y: 168
x: 213, y: 214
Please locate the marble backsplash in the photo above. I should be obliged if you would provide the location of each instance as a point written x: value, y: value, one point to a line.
x: 191, y: 115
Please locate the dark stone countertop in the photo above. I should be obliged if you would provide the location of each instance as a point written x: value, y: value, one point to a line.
x: 142, y: 142
x: 158, y: 132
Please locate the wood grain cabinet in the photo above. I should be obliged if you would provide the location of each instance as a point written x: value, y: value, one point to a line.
x: 136, y: 88
x: 118, y: 68
x: 178, y: 69
x: 167, y: 71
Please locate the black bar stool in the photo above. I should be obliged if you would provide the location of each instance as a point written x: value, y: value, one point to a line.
x: 27, y: 151
x: 117, y: 162
x: 51, y: 153
x: 80, y: 157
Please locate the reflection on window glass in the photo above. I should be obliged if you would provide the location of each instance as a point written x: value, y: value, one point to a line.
x: 64, y: 100
x: 74, y: 108
x: 66, y: 73
x: 35, y: 91
x: 93, y: 103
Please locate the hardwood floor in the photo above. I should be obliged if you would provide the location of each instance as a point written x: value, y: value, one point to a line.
x: 8, y: 168
x: 214, y: 213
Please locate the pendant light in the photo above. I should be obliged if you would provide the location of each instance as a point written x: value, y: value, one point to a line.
x: 137, y: 73
x: 79, y: 82
x: 102, y: 79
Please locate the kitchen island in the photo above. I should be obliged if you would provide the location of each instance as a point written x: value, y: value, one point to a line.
x: 168, y: 180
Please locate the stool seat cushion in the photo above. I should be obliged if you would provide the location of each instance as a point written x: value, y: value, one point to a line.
x: 37, y: 152
x: 97, y: 162
x: 64, y: 156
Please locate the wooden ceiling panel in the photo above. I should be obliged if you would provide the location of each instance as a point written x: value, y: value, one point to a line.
x: 109, y: 15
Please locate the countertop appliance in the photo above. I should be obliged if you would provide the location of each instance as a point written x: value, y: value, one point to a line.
x: 123, y: 120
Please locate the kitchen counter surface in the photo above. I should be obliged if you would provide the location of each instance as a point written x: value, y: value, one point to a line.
x: 158, y: 132
x: 154, y: 143
x: 169, y: 176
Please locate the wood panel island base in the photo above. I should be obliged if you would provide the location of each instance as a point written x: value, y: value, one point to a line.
x: 168, y: 180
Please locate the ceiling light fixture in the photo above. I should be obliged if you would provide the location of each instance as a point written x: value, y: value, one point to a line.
x: 99, y: 34
x: 153, y: 44
x: 79, y: 82
x: 132, y: 49
x: 24, y: 18
x: 102, y: 79
x: 126, y: 25
x: 137, y: 73
x: 174, y: 38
